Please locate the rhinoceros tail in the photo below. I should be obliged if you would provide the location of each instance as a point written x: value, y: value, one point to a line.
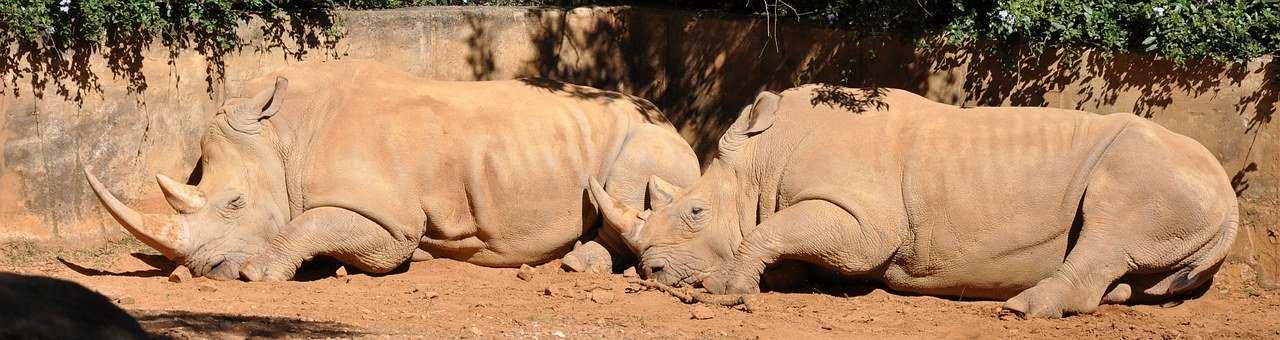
x: 1202, y: 269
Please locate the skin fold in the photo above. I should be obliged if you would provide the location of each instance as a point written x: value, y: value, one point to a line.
x: 373, y: 167
x: 1055, y: 211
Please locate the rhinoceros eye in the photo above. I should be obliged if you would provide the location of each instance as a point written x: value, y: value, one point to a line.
x: 695, y: 210
x: 236, y: 203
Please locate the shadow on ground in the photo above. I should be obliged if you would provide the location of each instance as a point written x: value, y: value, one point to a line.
x: 36, y: 307
x: 184, y: 324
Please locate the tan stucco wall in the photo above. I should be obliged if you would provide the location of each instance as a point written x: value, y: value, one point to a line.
x: 700, y: 69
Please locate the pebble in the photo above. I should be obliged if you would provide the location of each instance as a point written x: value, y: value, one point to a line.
x: 475, y: 331
x: 430, y: 295
x: 558, y: 334
x: 126, y: 300
x: 702, y: 312
x: 207, y: 289
x: 602, y: 296
x: 341, y: 272
x: 630, y: 272
x: 559, y: 289
x: 525, y: 273
x: 180, y: 275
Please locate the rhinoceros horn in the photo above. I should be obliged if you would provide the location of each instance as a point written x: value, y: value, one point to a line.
x: 625, y: 220
x: 184, y: 198
x: 166, y: 233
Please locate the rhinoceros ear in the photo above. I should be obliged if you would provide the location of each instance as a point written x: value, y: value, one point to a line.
x: 661, y: 192
x: 762, y: 114
x: 248, y: 116
x: 754, y: 119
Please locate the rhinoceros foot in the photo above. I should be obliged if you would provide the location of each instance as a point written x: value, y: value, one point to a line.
x: 268, y: 268
x: 1053, y: 298
x: 726, y: 282
x: 590, y: 257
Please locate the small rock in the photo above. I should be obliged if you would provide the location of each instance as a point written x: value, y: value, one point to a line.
x: 602, y: 296
x: 554, y: 265
x: 430, y: 295
x: 630, y: 272
x: 702, y: 312
x: 180, y: 275
x: 475, y: 331
x: 559, y: 289
x: 525, y: 273
x: 558, y: 334
x: 342, y: 272
x: 126, y: 300
x: 207, y: 289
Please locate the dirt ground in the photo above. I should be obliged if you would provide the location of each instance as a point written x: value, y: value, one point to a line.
x: 449, y: 299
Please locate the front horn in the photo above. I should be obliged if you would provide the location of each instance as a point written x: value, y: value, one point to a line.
x: 165, y: 233
x: 622, y: 218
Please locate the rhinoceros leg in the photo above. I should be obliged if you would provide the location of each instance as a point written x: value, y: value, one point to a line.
x: 815, y: 231
x: 1076, y: 287
x: 590, y: 257
x: 420, y: 255
x: 339, y: 233
x: 1157, y: 207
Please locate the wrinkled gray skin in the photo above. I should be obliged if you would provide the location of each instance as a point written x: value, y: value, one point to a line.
x: 373, y: 167
x: 1056, y: 211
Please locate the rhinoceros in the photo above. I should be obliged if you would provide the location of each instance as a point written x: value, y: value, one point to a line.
x: 1055, y: 211
x: 372, y: 167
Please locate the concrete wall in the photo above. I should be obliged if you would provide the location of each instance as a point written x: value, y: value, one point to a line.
x: 135, y: 110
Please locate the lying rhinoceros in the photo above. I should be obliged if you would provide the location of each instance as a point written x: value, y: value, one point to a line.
x: 370, y: 166
x: 1054, y: 210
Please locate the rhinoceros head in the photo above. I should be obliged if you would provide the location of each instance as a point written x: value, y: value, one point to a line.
x: 239, y: 203
x: 688, y: 233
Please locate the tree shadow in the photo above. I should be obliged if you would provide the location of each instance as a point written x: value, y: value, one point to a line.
x: 34, y: 307
x: 481, y: 60
x: 647, y: 109
x: 1263, y: 101
x: 701, y: 68
x: 68, y: 68
x: 186, y: 324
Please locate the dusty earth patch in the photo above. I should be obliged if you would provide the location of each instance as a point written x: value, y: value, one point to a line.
x: 449, y: 299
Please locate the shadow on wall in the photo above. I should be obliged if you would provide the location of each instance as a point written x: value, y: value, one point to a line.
x: 88, y: 104
x: 68, y: 70
x: 33, y: 307
x: 701, y: 69
x: 700, y: 72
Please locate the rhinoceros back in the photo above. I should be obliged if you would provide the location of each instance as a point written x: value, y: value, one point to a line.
x: 985, y: 196
x: 991, y: 193
x: 503, y: 162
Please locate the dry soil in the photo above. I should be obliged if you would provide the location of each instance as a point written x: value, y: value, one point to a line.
x: 449, y: 299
